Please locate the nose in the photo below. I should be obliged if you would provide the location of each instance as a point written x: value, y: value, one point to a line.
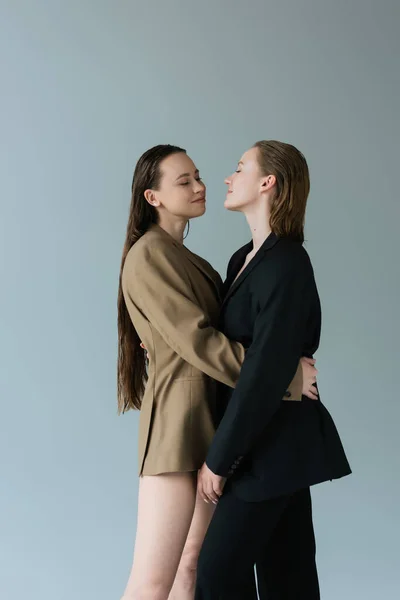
x: 228, y: 180
x: 199, y: 187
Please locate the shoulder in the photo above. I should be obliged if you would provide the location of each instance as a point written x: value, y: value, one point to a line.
x: 151, y: 249
x: 286, y: 265
x: 291, y: 256
x: 152, y: 260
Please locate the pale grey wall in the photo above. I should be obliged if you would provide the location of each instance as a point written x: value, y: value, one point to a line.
x: 86, y: 86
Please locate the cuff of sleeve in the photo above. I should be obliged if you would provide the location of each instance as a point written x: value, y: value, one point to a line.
x: 223, y: 468
x: 218, y: 467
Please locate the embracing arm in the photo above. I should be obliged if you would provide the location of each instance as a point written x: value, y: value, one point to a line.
x: 161, y: 289
x: 159, y: 286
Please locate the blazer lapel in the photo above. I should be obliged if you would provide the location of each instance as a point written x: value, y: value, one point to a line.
x: 234, y: 268
x: 271, y: 240
x: 205, y: 268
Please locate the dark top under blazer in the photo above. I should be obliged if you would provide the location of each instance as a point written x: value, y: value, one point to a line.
x: 270, y: 447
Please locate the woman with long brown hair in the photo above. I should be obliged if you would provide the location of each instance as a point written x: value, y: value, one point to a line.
x: 169, y: 299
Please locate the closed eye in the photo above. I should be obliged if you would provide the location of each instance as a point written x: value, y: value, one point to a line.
x: 187, y: 182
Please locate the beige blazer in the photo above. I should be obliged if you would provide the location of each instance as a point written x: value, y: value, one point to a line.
x: 173, y: 299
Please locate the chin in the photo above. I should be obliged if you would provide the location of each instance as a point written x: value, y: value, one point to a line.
x: 198, y: 210
x: 229, y: 205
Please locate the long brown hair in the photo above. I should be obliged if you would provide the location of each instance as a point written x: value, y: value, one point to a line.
x: 293, y: 185
x: 132, y: 376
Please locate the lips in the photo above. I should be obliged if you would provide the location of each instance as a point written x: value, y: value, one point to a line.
x: 202, y: 199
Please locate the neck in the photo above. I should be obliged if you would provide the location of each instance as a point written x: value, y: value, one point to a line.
x: 258, y: 220
x: 175, y: 226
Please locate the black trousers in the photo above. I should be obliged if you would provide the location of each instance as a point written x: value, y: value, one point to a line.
x: 277, y: 535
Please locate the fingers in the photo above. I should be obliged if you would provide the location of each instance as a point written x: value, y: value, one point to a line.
x: 312, y: 393
x: 309, y: 382
x: 204, y: 497
x: 144, y: 348
x: 310, y: 361
x: 207, y: 494
x: 219, y: 487
x: 200, y: 487
x: 309, y: 370
x: 204, y: 487
x: 210, y: 492
x: 201, y: 493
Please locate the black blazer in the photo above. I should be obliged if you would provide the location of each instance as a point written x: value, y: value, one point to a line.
x: 267, y: 446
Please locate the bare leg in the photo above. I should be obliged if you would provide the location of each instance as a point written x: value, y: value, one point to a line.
x: 166, y: 507
x: 185, y: 580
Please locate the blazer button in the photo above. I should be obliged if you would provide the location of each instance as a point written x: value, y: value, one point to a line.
x: 288, y: 394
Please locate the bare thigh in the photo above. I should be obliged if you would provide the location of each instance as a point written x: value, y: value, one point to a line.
x: 165, y: 511
x: 186, y: 574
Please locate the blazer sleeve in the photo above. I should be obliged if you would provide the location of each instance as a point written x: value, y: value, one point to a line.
x: 159, y: 286
x: 269, y: 365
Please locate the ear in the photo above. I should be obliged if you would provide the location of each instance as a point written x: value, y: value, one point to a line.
x: 151, y: 198
x: 267, y: 183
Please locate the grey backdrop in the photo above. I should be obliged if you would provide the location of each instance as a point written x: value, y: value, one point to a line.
x: 86, y: 87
